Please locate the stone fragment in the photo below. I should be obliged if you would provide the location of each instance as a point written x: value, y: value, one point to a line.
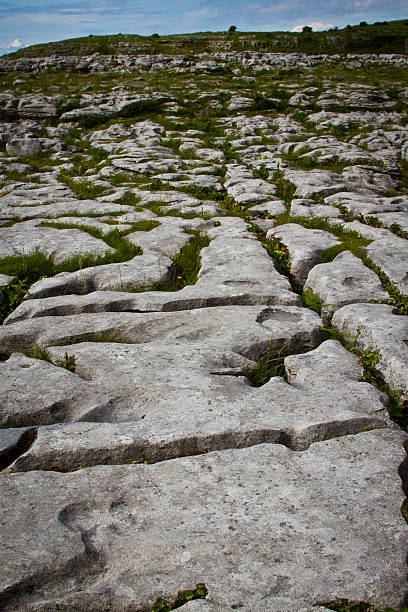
x: 391, y: 255
x: 61, y: 244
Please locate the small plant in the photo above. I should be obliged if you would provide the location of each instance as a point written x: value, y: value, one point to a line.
x: 83, y: 189
x: 164, y: 605
x: 285, y: 189
x: 311, y: 300
x: 261, y: 172
x: 268, y: 367
x: 41, y: 352
x: 279, y: 253
x: 68, y: 362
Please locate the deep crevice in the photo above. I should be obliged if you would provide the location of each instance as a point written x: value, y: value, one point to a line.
x: 147, y: 453
x: 22, y: 445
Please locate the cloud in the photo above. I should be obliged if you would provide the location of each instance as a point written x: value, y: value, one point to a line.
x: 14, y: 44
x: 315, y: 25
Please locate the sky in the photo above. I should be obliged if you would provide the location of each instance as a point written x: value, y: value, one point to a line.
x: 28, y: 22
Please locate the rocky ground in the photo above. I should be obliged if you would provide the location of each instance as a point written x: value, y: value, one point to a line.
x: 204, y: 367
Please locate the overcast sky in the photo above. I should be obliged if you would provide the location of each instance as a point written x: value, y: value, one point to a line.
x: 24, y: 22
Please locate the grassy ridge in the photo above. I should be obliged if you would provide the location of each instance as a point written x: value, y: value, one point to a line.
x: 381, y: 37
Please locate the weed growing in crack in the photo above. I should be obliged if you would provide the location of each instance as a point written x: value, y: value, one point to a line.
x: 285, y: 190
x: 186, y: 265
x: 369, y: 358
x: 261, y: 172
x: 311, y: 300
x: 279, y: 253
x: 83, y: 189
x: 41, y: 352
x: 164, y: 605
x: 268, y: 367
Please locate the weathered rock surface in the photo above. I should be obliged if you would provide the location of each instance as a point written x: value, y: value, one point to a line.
x: 279, y: 471
x: 344, y: 281
x: 206, y: 509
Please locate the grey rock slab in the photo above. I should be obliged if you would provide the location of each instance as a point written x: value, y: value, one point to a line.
x: 308, y: 208
x: 374, y: 178
x: 345, y: 280
x: 257, y: 523
x: 141, y: 271
x: 379, y: 327
x: 322, y: 398
x: 274, y: 208
x: 227, y: 326
x: 61, y: 244
x: 241, y: 185
x: 14, y: 442
x: 391, y: 255
x: 321, y: 182
x: 394, y: 218
x: 304, y: 246
x: 35, y: 391
x: 23, y: 146
x: 369, y: 204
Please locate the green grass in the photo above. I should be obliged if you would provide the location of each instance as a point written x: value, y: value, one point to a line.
x: 311, y: 300
x: 279, y: 253
x: 285, y: 189
x: 166, y: 605
x: 28, y: 269
x: 83, y: 189
x: 269, y: 365
x: 185, y: 268
x: 40, y: 352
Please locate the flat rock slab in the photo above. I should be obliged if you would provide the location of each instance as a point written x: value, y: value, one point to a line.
x: 60, y: 244
x: 379, y: 327
x: 263, y: 527
x: 322, y: 397
x: 345, y: 280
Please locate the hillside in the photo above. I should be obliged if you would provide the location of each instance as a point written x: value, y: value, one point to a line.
x: 382, y: 37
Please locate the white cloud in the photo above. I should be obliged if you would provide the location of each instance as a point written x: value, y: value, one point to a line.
x: 315, y: 25
x: 14, y: 44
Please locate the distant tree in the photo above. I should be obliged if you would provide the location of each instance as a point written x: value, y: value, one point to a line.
x: 307, y: 29
x: 363, y: 23
x: 232, y: 29
x: 155, y: 36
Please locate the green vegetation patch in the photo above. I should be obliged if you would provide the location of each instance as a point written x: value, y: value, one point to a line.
x: 186, y: 265
x: 269, y: 365
x: 165, y: 605
x: 28, y: 269
x: 40, y: 352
